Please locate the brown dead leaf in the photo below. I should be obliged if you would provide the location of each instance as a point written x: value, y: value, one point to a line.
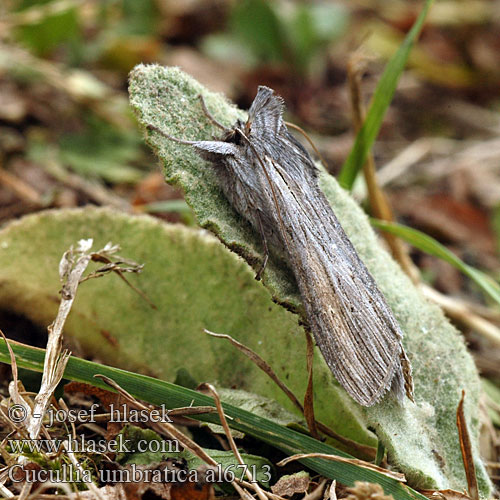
x: 444, y: 495
x: 367, y: 491
x: 443, y: 216
x: 192, y: 491
x: 154, y: 188
x: 287, y: 486
x: 106, y: 398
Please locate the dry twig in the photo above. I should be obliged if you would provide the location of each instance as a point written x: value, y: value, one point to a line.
x: 378, y: 201
x: 466, y: 449
x: 211, y: 389
x: 71, y: 268
x: 367, y: 451
x: 459, y: 311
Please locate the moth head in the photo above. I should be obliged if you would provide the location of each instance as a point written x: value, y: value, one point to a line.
x: 234, y: 135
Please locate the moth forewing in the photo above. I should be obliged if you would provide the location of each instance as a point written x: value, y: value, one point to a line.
x: 352, y: 324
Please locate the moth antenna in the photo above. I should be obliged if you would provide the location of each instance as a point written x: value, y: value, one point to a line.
x: 308, y: 139
x: 273, y: 192
x: 211, y: 117
x: 170, y: 137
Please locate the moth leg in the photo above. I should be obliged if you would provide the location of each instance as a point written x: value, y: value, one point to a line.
x: 210, y: 116
x: 266, y: 250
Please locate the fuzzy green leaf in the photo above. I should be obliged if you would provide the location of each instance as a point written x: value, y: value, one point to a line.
x: 168, y: 98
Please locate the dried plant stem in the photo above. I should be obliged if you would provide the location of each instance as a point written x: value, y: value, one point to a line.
x: 91, y: 486
x: 459, y: 311
x: 317, y: 493
x: 25, y: 490
x: 96, y: 191
x: 211, y: 389
x: 367, y: 451
x: 333, y: 492
x: 55, y: 360
x: 262, y: 364
x: 71, y: 268
x: 163, y: 427
x: 378, y: 202
x: 336, y: 458
x: 5, y: 492
x: 308, y: 139
x: 242, y: 492
x: 254, y: 486
x: 21, y: 188
x: 14, y: 385
x: 171, y: 431
x: 466, y: 449
x: 191, y: 410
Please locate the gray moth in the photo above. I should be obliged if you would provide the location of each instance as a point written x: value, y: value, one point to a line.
x: 271, y: 181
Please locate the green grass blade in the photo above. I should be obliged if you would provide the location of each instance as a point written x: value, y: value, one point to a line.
x: 429, y: 245
x: 380, y: 102
x: 160, y: 392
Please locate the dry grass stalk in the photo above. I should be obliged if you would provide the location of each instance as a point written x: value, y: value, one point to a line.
x: 379, y: 205
x: 71, y: 268
x: 365, y: 450
x: 164, y: 428
x: 171, y: 431
x: 353, y: 461
x: 460, y: 312
x: 211, y: 389
x: 91, y: 486
x: 333, y: 493
x: 14, y: 387
x: 317, y: 493
x: 466, y: 449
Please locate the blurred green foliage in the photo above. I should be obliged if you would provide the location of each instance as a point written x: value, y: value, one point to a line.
x: 108, y: 36
x: 261, y: 31
x: 52, y: 30
x: 45, y: 28
x: 99, y: 151
x: 115, y: 149
x: 139, y: 17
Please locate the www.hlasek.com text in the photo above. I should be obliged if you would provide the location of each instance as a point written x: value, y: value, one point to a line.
x: 82, y: 445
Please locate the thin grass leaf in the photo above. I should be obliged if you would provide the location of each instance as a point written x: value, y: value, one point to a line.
x: 429, y: 245
x: 160, y: 392
x: 380, y: 102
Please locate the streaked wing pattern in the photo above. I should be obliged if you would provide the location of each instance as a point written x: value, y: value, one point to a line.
x: 352, y: 323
